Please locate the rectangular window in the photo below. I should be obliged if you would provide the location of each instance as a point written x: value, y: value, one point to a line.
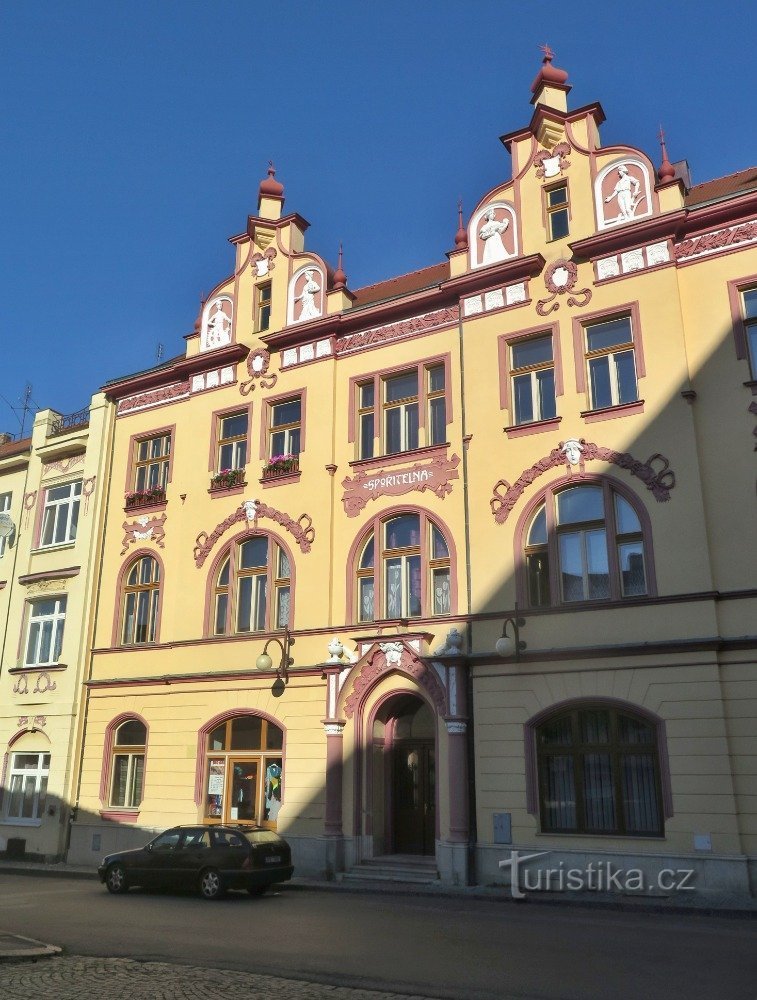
x: 232, y: 441
x: 60, y: 518
x: 27, y: 787
x: 401, y: 412
x: 610, y: 363
x: 437, y: 405
x: 365, y: 419
x: 750, y: 325
x: 285, y: 430
x: 6, y: 525
x: 533, y: 380
x: 44, y: 637
x: 151, y: 463
x: 558, y: 216
x: 264, y: 306
x: 128, y: 778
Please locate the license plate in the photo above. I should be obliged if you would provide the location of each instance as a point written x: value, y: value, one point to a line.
x: 274, y: 859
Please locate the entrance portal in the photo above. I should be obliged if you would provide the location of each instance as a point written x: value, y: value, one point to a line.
x: 405, y: 775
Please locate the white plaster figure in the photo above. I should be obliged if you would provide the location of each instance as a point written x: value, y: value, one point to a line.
x: 392, y: 651
x: 309, y: 309
x: 572, y: 450
x: 250, y: 509
x: 491, y: 234
x: 336, y: 649
x: 219, y: 327
x: 627, y: 191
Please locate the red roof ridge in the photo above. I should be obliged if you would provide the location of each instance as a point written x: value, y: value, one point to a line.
x: 401, y: 284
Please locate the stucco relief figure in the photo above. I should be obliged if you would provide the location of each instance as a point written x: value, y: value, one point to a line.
x: 491, y: 233
x: 628, y: 192
x: 307, y: 296
x: 219, y: 327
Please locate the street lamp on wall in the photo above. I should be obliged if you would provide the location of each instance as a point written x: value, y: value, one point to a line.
x: 264, y: 661
x: 511, y: 645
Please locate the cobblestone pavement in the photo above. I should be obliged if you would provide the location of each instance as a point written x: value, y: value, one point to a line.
x: 74, y: 978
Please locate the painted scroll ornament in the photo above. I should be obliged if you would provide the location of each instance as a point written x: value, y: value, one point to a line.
x: 257, y: 368
x: 655, y: 473
x: 302, y: 529
x: 561, y: 277
x: 144, y: 529
x: 434, y: 475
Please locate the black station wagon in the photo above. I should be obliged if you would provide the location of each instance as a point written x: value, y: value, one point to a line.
x: 210, y: 859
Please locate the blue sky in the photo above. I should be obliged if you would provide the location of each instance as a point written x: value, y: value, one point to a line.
x: 134, y: 138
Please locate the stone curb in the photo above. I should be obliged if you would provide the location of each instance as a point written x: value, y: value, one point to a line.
x: 30, y: 948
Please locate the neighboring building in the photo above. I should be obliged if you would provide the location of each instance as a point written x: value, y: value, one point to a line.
x: 558, y: 418
x: 50, y: 490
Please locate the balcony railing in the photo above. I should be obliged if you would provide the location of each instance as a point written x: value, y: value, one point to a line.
x: 71, y: 422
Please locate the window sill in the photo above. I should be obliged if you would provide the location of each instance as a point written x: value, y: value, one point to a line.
x: 285, y: 477
x: 53, y: 548
x: 227, y: 491
x: 28, y: 668
x: 534, y: 427
x: 398, y: 457
x: 116, y: 815
x: 9, y: 821
x: 611, y: 412
x: 146, y: 508
x: 752, y: 384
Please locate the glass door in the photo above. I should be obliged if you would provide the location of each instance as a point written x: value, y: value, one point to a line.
x: 242, y: 803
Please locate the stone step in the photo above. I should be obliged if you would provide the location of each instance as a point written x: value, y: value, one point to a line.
x: 419, y: 875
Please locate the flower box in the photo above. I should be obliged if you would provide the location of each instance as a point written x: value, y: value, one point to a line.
x: 281, y: 465
x: 226, y: 479
x: 144, y: 498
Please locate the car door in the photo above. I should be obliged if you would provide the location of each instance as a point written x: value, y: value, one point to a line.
x: 192, y: 854
x: 160, y: 863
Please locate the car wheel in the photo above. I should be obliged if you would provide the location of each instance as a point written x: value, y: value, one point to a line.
x: 211, y: 886
x: 115, y: 879
x: 258, y: 890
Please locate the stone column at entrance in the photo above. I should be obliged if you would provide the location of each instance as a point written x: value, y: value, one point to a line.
x: 334, y: 766
x: 458, y: 780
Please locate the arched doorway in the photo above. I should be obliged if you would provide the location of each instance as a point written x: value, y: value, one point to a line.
x: 403, y: 762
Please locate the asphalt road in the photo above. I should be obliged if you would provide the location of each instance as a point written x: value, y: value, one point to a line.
x: 463, y: 949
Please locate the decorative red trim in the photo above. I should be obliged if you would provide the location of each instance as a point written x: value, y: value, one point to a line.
x: 612, y: 412
x: 210, y: 725
x: 53, y: 574
x: 629, y: 235
x: 179, y: 370
x: 399, y: 458
x: 107, y: 762
x: 529, y: 746
x: 361, y: 488
x: 119, y: 591
x: 302, y: 529
x: 223, y: 491
x: 271, y: 481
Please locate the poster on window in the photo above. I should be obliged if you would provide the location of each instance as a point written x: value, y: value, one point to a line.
x: 216, y: 773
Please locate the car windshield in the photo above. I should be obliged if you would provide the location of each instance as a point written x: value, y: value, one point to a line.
x: 262, y: 836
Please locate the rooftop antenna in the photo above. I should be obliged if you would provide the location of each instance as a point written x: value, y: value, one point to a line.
x: 26, y: 408
x: 159, y: 352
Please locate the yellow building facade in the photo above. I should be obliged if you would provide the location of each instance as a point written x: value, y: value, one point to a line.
x: 490, y: 522
x: 51, y: 486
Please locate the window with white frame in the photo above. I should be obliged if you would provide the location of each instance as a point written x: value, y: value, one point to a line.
x: 532, y: 373
x: 44, y: 639
x: 128, y: 764
x: 60, y: 518
x: 406, y: 574
x: 252, y: 591
x: 285, y: 433
x: 5, y: 505
x: 407, y: 410
x: 232, y: 441
x: 610, y: 363
x: 27, y: 786
x: 750, y: 326
x: 585, y: 543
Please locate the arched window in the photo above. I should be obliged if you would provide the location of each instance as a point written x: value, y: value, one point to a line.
x: 128, y: 764
x: 244, y: 771
x: 141, y: 597
x: 599, y: 772
x: 585, y: 543
x: 403, y: 570
x: 252, y: 587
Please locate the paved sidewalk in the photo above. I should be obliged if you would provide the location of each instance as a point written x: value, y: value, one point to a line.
x: 74, y: 978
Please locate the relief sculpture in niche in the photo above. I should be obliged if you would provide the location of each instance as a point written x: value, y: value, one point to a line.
x: 655, y: 473
x: 309, y: 306
x: 491, y: 233
x: 622, y: 193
